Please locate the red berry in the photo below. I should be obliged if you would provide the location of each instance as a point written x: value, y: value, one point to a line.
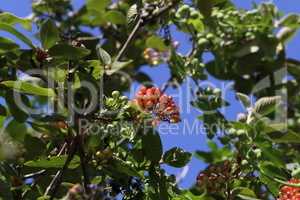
x: 289, y: 192
x: 154, y: 101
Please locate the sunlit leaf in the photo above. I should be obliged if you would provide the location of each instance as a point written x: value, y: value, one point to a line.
x: 54, y: 162
x: 28, y: 88
x: 15, y: 32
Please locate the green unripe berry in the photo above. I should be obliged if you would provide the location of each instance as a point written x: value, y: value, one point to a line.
x: 244, y: 162
x: 110, y: 126
x: 115, y: 94
x: 110, y: 101
x: 124, y: 98
x: 220, y: 15
x: 194, y: 61
x: 231, y: 131
x: 241, y: 132
x: 210, y: 36
x: 217, y: 91
x: 257, y: 153
x: 202, y: 42
x: 195, y: 15
x: 184, y: 8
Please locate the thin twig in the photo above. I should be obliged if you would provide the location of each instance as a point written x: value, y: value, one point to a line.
x: 56, y: 181
x: 130, y: 38
x: 141, y: 22
x: 35, y: 174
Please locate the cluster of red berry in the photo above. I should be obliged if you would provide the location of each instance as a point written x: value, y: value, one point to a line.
x: 161, y: 105
x: 214, y: 177
x: 289, y: 192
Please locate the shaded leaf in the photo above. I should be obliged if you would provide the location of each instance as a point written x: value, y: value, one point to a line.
x: 156, y: 43
x: 152, y: 146
x: 68, y: 52
x: 96, y: 5
x: 7, y: 45
x: 177, y: 157
x: 49, y: 34
x: 14, y: 109
x: 115, y: 17
x: 123, y: 167
x: 16, y: 130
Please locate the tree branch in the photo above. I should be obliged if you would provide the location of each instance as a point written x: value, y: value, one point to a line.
x: 56, y: 181
x: 86, y: 180
x: 131, y: 36
x: 142, y: 22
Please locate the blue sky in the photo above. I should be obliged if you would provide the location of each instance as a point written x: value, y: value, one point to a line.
x: 161, y: 74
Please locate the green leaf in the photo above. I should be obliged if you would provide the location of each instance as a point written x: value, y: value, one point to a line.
x: 7, y: 45
x: 197, y: 24
x: 216, y: 155
x: 285, y: 34
x: 15, y: 32
x: 16, y: 130
x: 2, y: 110
x: 14, y: 109
x: 28, y: 88
x: 97, y: 68
x: 115, y: 17
x: 156, y: 42
x: 266, y: 105
x: 132, y: 14
x: 291, y: 20
x: 271, y: 170
x: 188, y: 195
x: 34, y: 147
x: 97, y: 5
x: 103, y: 56
x: 116, y: 66
x: 244, y: 99
x: 244, y: 193
x: 177, y: 157
x: 49, y: 34
x: 289, y: 136
x: 9, y: 18
x: 123, y: 167
x: 152, y: 146
x: 54, y: 162
x: 246, y: 50
x: 68, y: 52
